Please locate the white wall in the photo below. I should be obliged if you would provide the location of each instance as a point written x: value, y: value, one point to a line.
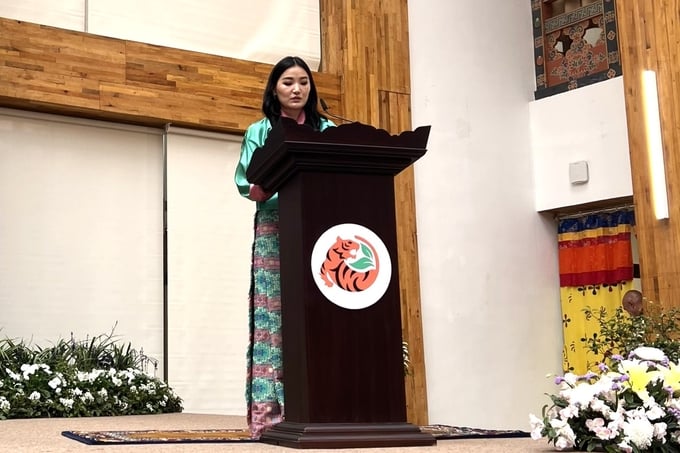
x: 488, y: 261
x: 256, y: 30
x: 69, y: 14
x: 587, y: 124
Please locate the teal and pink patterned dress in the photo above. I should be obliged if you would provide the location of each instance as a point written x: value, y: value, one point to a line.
x: 264, y: 376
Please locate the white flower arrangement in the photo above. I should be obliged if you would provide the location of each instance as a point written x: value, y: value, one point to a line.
x: 97, y: 376
x: 38, y: 391
x: 633, y: 407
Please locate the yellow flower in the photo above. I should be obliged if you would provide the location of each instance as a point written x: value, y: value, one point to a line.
x: 671, y: 377
x: 639, y: 376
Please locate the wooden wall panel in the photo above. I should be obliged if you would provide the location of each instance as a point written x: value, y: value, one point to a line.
x: 62, y: 71
x: 649, y: 34
x: 395, y: 115
x: 366, y: 43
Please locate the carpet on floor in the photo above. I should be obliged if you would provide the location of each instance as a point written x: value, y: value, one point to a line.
x: 440, y: 432
x: 464, y: 432
x: 160, y: 436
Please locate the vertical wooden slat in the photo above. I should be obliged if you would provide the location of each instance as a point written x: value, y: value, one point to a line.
x: 650, y: 39
x: 366, y: 43
x: 395, y: 115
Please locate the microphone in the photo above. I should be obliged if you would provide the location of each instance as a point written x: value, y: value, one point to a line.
x: 324, y: 106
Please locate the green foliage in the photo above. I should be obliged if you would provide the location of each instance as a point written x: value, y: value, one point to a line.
x: 102, y: 351
x: 94, y: 377
x: 621, y: 333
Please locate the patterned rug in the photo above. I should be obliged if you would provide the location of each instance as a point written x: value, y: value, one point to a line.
x: 160, y: 436
x: 440, y: 432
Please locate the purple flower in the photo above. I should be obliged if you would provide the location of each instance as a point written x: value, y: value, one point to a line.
x: 589, y: 375
x: 675, y: 412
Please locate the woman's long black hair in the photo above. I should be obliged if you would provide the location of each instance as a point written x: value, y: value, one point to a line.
x: 271, y: 107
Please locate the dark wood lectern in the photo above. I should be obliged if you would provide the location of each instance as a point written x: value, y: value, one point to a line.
x: 343, y: 367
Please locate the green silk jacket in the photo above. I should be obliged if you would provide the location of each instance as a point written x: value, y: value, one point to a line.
x: 254, y: 138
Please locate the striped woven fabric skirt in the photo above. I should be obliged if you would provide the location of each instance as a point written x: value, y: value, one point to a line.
x: 264, y: 383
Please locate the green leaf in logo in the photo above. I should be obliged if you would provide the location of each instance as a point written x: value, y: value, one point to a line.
x: 361, y: 264
x: 366, y: 251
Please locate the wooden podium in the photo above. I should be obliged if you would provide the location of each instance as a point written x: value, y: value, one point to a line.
x: 342, y: 359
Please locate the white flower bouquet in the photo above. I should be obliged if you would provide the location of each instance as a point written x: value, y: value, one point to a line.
x: 632, y: 407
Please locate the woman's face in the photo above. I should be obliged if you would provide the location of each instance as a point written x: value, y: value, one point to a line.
x: 292, y: 91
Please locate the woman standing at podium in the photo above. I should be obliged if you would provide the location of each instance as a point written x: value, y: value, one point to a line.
x: 290, y: 93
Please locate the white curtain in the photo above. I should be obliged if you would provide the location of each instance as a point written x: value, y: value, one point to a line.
x: 81, y: 230
x: 210, y: 231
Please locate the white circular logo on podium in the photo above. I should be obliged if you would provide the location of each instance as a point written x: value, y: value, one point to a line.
x: 351, y: 266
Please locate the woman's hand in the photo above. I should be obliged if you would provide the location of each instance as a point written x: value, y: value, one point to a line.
x: 257, y: 193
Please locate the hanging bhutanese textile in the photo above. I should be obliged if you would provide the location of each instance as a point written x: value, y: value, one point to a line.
x: 596, y: 269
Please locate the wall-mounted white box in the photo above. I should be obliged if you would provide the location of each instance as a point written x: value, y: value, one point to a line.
x: 578, y: 172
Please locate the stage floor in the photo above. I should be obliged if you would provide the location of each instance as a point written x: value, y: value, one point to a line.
x: 44, y: 435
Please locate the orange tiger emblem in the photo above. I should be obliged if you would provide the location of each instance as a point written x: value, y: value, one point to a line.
x: 355, y: 276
